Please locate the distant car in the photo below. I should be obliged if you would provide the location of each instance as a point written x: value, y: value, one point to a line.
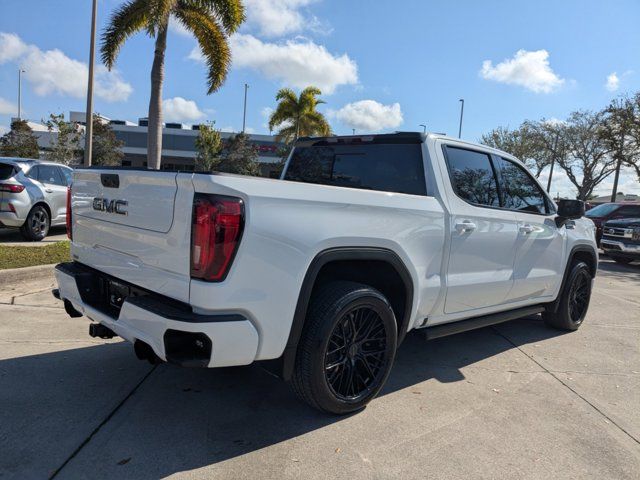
x: 611, y: 211
x: 621, y: 240
x: 33, y: 195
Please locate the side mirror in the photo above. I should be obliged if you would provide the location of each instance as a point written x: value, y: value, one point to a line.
x: 569, y: 210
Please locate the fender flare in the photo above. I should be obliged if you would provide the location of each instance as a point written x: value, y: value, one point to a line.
x: 553, y: 306
x: 342, y: 254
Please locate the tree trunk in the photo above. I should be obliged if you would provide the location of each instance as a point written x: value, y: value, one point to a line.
x: 154, y: 136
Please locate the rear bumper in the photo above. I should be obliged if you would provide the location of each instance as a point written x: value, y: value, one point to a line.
x: 161, y: 322
x: 10, y: 219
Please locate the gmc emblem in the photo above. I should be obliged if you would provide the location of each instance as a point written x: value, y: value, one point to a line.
x: 110, y: 206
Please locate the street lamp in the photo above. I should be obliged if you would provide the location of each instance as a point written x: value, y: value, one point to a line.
x: 88, y: 133
x: 424, y: 128
x: 461, y: 114
x: 244, y: 115
x: 20, y: 72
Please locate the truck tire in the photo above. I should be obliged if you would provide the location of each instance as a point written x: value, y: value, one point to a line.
x: 574, y: 300
x: 621, y: 260
x: 36, y: 227
x: 346, y: 349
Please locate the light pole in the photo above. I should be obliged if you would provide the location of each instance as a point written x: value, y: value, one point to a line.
x: 88, y: 133
x: 424, y: 128
x: 20, y: 72
x: 353, y: 131
x: 461, y: 114
x: 244, y: 115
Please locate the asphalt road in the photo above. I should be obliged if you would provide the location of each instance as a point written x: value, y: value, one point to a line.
x: 11, y: 237
x: 514, y: 401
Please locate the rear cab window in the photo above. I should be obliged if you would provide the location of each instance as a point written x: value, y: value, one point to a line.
x: 376, y: 166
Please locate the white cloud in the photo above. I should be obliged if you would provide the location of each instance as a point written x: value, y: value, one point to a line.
x: 266, y: 112
x: 3, y: 130
x: 7, y: 108
x: 369, y: 115
x: 296, y: 63
x: 613, y: 82
x: 178, y: 109
x: 275, y: 18
x: 530, y: 70
x: 176, y: 26
x: 52, y: 72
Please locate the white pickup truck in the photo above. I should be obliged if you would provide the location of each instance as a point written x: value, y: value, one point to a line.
x: 324, y: 271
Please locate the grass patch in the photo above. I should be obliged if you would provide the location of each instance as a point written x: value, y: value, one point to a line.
x: 16, y: 257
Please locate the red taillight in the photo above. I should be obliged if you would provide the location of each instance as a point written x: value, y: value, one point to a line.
x: 11, y: 188
x: 215, y: 235
x: 69, y: 232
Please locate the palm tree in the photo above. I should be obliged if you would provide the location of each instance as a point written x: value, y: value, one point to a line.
x: 210, y: 21
x: 296, y: 116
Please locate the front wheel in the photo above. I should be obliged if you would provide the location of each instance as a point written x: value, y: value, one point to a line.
x: 347, y: 348
x: 574, y: 302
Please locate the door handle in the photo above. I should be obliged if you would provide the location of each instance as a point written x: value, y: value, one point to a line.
x: 465, y: 226
x: 527, y: 229
x: 48, y: 190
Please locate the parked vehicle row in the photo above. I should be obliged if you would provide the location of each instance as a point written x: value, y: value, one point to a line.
x: 611, y: 211
x: 323, y: 273
x: 33, y: 195
x: 621, y: 239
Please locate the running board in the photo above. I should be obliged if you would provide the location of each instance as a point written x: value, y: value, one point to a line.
x: 460, y: 326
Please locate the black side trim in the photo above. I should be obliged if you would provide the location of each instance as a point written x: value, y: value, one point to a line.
x: 553, y: 306
x: 342, y: 254
x: 90, y: 283
x: 460, y: 326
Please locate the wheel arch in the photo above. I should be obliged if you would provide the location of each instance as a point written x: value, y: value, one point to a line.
x: 338, y: 260
x: 585, y: 253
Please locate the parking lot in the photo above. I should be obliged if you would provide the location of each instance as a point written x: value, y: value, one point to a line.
x: 514, y: 401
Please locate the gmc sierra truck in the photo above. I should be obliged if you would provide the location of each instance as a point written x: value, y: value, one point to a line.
x: 324, y: 271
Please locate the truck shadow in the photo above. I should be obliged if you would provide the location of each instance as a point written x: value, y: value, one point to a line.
x: 180, y: 419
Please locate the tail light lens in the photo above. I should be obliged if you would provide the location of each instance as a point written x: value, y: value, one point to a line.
x: 11, y: 188
x: 216, y: 229
x: 69, y: 218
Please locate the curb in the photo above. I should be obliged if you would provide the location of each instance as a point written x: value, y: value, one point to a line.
x: 14, y: 275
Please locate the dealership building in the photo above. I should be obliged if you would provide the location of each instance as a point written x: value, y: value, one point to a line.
x: 178, y: 143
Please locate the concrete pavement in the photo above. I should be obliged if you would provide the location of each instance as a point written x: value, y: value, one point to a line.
x: 515, y: 401
x: 10, y: 237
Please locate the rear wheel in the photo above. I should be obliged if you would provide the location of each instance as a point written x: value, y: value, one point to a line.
x: 621, y: 260
x: 574, y: 301
x: 346, y: 349
x: 36, y: 227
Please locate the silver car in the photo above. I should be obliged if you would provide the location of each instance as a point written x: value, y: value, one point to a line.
x: 33, y: 195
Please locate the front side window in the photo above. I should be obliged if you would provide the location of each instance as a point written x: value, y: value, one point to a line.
x: 630, y: 211
x: 384, y: 167
x: 472, y: 176
x: 520, y: 191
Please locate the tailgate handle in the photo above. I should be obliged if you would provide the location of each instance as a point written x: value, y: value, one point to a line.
x: 110, y: 180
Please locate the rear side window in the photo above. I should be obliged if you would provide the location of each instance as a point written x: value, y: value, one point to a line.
x: 519, y: 190
x: 472, y: 176
x: 388, y: 168
x: 50, y: 174
x: 6, y: 171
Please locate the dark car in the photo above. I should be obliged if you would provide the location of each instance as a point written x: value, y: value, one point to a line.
x: 621, y: 239
x: 611, y: 211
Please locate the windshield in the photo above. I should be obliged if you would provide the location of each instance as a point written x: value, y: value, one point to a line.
x: 6, y: 171
x: 601, y: 210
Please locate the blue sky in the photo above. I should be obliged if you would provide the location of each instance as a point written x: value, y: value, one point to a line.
x: 383, y: 65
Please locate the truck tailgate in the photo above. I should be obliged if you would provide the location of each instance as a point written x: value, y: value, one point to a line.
x: 135, y: 225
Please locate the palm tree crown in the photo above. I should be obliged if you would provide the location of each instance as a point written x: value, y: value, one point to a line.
x: 296, y: 116
x: 210, y: 21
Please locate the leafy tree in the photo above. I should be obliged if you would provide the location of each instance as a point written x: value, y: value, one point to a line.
x: 589, y: 161
x: 210, y: 21
x: 296, y: 116
x: 65, y: 148
x: 208, y: 148
x: 19, y: 141
x: 239, y: 156
x: 521, y: 143
x: 107, y: 149
x: 549, y: 138
x: 624, y: 131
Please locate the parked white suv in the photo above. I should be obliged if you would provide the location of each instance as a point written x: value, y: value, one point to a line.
x: 33, y: 195
x: 324, y: 272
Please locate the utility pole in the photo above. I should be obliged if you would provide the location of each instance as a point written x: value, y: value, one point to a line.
x: 553, y: 161
x: 20, y: 72
x: 244, y: 116
x: 353, y: 131
x: 424, y: 128
x: 614, y: 192
x: 461, y: 114
x: 88, y: 132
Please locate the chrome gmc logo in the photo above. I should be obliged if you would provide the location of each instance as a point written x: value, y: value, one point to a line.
x: 119, y: 207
